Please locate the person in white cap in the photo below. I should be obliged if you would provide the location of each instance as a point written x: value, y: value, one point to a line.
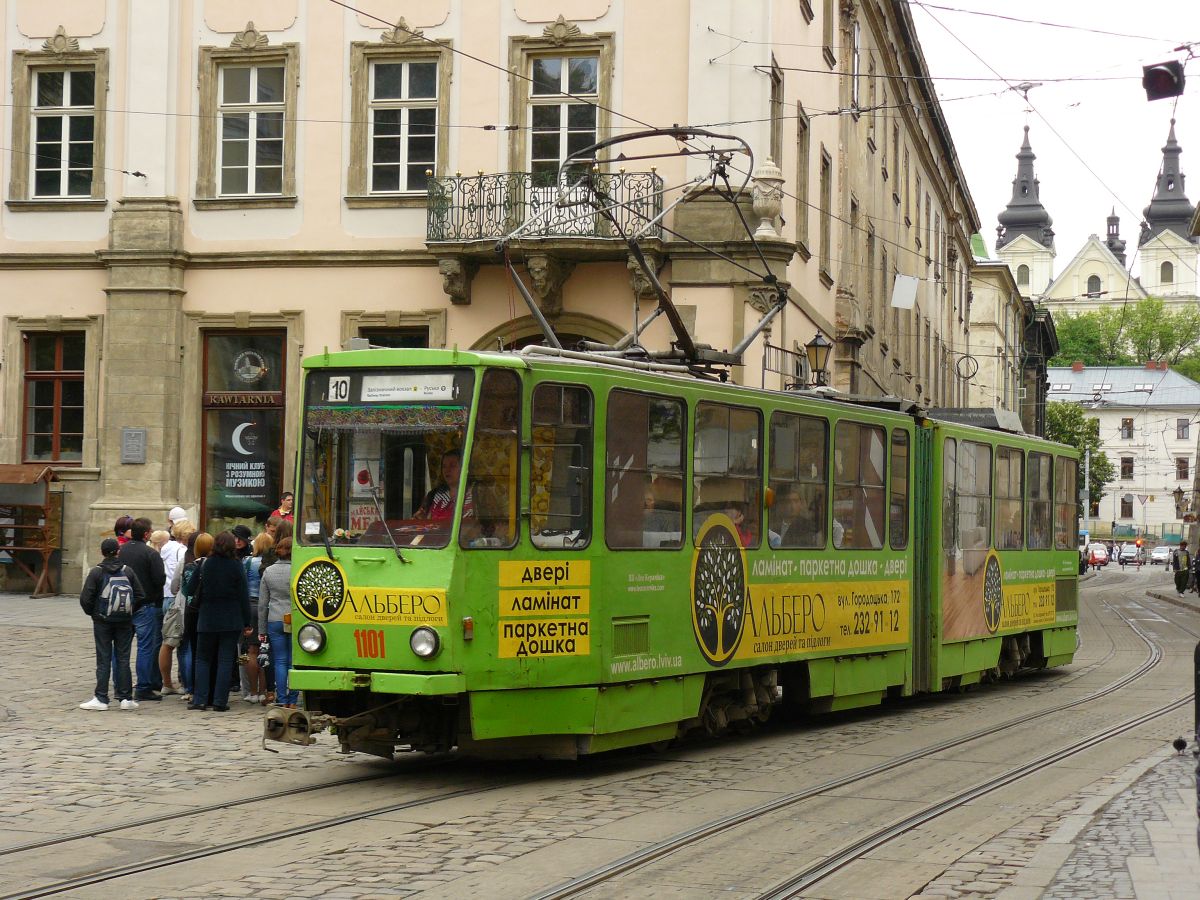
x: 175, y: 516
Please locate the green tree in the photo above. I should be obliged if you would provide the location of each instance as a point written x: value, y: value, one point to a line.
x: 1129, y: 335
x: 1067, y: 424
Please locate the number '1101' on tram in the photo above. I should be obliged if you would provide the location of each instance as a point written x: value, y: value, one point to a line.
x: 534, y: 555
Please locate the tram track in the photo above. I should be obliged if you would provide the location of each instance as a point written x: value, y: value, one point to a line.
x: 661, y: 849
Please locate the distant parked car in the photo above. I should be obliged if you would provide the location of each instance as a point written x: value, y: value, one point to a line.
x: 1160, y: 554
x: 1097, y: 555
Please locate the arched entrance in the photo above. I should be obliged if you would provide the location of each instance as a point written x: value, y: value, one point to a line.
x: 570, y: 328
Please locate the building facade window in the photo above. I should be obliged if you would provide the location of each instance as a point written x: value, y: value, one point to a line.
x: 560, y: 125
x: 826, y: 214
x: 1093, y: 286
x: 242, y: 426
x: 828, y: 29
x: 1182, y: 429
x: 1181, y: 468
x: 1127, y: 429
x: 1167, y: 273
x: 553, y: 125
x: 247, y: 126
x: 776, y: 112
x: 407, y: 338
x: 1126, y: 468
x: 1127, y: 507
x: 58, y: 128
x: 1022, y: 275
x: 400, y: 97
x: 803, y: 148
x: 54, y: 367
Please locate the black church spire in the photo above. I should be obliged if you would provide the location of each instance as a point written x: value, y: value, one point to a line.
x: 1025, y: 213
x: 1113, y: 239
x: 1169, y: 209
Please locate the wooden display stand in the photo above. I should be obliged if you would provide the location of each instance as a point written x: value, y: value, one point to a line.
x: 31, y: 521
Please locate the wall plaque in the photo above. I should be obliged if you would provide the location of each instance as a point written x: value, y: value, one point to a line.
x: 133, y: 446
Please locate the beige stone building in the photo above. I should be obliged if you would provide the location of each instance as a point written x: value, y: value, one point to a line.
x: 202, y: 192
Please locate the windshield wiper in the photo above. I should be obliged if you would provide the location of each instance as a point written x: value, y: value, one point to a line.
x: 383, y: 520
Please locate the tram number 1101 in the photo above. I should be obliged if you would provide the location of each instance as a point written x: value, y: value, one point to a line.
x: 369, y: 643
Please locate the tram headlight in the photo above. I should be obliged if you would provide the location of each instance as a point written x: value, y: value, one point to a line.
x: 311, y: 638
x: 425, y: 642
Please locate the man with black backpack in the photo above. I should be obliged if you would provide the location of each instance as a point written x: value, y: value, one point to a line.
x: 111, y: 595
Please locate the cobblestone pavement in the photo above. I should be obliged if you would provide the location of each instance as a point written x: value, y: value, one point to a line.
x: 65, y: 770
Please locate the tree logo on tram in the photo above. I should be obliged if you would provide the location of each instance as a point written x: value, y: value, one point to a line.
x: 718, y: 590
x: 993, y: 593
x: 320, y: 589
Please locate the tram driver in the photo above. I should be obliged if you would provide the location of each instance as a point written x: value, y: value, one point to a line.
x: 438, y: 505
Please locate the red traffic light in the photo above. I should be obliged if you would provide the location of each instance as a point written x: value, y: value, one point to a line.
x: 1163, y: 80
x: 1138, y: 542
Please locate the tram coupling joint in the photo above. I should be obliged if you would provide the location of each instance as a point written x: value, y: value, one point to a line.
x: 292, y: 726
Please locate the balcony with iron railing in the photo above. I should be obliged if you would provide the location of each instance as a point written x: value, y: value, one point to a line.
x: 463, y: 209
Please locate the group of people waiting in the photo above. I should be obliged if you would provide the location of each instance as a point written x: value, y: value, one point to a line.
x: 216, y: 609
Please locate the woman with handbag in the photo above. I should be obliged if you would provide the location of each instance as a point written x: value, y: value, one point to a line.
x: 223, y: 613
x: 275, y: 619
x: 186, y: 579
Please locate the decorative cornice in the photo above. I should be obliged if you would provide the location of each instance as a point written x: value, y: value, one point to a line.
x: 61, y: 43
x: 402, y: 33
x: 561, y: 31
x: 249, y: 39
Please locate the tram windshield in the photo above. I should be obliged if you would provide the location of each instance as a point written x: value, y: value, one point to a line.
x: 382, y: 452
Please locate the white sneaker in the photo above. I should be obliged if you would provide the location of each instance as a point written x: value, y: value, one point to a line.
x: 129, y: 704
x: 94, y: 704
x: 249, y: 698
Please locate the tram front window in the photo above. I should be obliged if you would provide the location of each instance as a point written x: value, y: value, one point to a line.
x: 383, y: 453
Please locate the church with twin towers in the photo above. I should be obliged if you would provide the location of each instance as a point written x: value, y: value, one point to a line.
x: 1168, y: 254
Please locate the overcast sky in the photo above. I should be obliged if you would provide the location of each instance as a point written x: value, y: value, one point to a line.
x: 1109, y: 124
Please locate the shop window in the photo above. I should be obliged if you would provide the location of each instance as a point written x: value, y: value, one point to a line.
x: 560, y: 476
x: 797, y: 473
x: 1010, y: 499
x: 492, y: 472
x: 727, y: 474
x: 54, y: 365
x: 243, y: 427
x: 859, y: 464
x: 1066, y: 508
x: 644, y: 471
x: 1039, y: 501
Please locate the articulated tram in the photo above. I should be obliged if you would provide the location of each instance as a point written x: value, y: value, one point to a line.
x: 533, y: 554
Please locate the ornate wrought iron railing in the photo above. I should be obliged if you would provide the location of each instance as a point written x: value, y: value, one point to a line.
x: 487, y: 207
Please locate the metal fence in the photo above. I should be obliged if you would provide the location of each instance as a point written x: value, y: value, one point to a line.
x: 488, y: 207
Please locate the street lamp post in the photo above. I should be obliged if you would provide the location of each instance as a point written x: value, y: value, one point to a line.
x: 817, y: 351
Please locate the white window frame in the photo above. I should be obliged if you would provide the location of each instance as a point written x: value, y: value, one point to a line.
x: 405, y: 105
x: 64, y: 112
x: 252, y: 109
x: 564, y: 103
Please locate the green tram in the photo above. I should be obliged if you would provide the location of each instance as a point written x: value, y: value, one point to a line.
x: 526, y: 554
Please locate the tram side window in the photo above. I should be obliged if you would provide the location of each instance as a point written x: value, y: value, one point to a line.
x: 797, y: 473
x: 492, y: 470
x: 560, y: 477
x: 898, y: 506
x: 728, y: 470
x: 859, y: 460
x: 1039, y: 501
x: 950, y: 504
x: 1010, y: 499
x: 973, y: 489
x: 644, y: 471
x: 1066, y: 522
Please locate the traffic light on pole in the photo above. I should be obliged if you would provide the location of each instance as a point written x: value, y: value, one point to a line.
x: 1163, y: 80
